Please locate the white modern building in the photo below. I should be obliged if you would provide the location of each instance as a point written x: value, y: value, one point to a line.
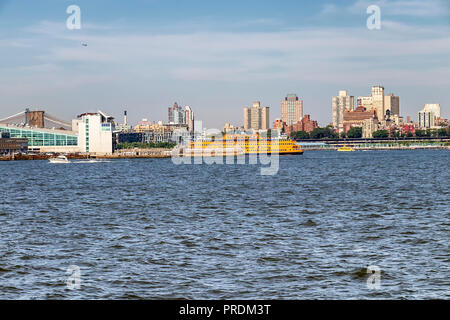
x: 341, y: 103
x: 95, y: 133
x: 429, y: 114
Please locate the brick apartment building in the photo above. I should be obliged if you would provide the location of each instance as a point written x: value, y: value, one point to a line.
x: 304, y: 124
x: 355, y: 118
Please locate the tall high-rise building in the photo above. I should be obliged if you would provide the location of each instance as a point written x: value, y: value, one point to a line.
x: 247, y: 118
x: 189, y: 117
x: 429, y: 114
x: 256, y: 117
x: 341, y: 103
x: 376, y: 100
x: 176, y: 114
x: 392, y: 103
x: 291, y: 109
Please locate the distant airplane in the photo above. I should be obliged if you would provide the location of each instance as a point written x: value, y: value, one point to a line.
x: 84, y: 44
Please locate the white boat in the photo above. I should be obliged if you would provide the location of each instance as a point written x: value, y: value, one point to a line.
x: 59, y: 159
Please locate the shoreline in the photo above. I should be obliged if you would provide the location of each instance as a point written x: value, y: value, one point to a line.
x: 166, y: 153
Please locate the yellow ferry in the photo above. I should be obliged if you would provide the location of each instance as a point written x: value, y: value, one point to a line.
x: 239, y: 144
x: 348, y: 149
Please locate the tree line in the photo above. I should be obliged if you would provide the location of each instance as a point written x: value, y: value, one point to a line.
x: 356, y: 132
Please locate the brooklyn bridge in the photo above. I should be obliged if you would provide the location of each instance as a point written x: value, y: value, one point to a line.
x: 39, y: 119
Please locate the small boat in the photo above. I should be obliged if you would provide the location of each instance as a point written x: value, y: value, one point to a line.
x: 59, y: 159
x: 345, y: 149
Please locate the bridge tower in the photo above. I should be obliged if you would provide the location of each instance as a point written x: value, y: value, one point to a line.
x: 34, y: 118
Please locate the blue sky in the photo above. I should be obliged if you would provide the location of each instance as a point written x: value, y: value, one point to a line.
x: 219, y: 56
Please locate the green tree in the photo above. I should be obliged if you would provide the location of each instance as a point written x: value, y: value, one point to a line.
x: 299, y: 135
x: 380, y: 134
x: 355, y: 132
x: 443, y: 132
x: 323, y: 133
x: 421, y: 133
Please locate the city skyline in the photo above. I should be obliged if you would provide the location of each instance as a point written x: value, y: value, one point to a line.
x: 224, y: 156
x: 142, y: 58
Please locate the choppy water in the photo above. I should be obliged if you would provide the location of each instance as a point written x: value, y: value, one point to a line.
x: 151, y: 229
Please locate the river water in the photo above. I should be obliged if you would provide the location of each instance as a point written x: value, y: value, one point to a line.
x: 150, y: 229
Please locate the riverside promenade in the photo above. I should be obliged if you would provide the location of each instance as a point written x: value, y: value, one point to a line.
x: 376, y: 144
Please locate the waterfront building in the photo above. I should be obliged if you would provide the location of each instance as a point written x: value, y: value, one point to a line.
x: 157, y: 136
x: 291, y: 109
x: 256, y: 117
x: 10, y: 145
x: 43, y: 139
x: 95, y: 133
x: 355, y: 118
x: 369, y: 126
x: 428, y: 115
x: 341, y: 103
x: 304, y: 124
x: 129, y: 137
x: 159, y: 132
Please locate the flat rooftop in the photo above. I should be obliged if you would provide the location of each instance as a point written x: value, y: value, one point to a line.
x: 58, y: 131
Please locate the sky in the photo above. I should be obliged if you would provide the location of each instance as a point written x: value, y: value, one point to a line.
x: 219, y: 56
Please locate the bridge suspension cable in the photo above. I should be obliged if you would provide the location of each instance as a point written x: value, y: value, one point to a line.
x: 13, y: 116
x: 55, y: 120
